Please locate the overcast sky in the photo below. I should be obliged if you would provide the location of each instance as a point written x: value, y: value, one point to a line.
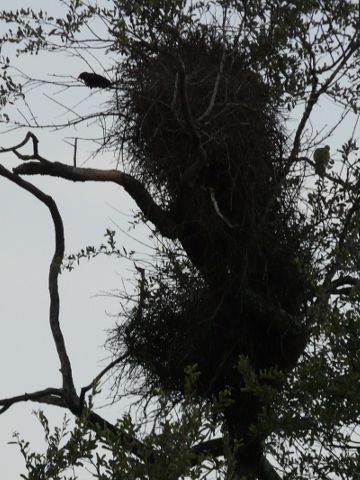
x: 28, y: 357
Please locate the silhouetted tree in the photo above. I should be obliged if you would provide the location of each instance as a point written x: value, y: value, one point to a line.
x: 257, y: 287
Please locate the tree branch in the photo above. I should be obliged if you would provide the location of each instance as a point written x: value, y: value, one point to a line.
x: 67, y: 397
x: 152, y: 212
x: 51, y: 396
x: 101, y: 374
x: 342, y: 282
x: 266, y: 471
x: 34, y: 156
x: 66, y: 371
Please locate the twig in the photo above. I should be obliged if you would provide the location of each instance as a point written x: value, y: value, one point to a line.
x: 216, y: 88
x: 101, y: 374
x: 217, y: 209
x: 75, y: 151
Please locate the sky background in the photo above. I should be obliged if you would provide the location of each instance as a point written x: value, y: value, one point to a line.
x: 28, y: 360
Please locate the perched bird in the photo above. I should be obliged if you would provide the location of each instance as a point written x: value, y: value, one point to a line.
x: 321, y: 157
x: 93, y: 80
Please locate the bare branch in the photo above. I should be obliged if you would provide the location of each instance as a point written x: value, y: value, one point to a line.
x: 132, y: 186
x: 56, y: 397
x: 51, y: 396
x: 68, y: 383
x: 101, y: 374
x: 152, y: 212
x: 217, y: 209
x: 216, y: 88
x: 34, y: 156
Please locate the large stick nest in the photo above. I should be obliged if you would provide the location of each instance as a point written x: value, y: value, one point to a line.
x: 202, y: 130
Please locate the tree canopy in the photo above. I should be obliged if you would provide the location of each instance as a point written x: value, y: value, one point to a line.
x: 245, y: 322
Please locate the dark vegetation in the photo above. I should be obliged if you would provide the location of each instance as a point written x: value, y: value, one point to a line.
x: 254, y: 281
x: 207, y: 132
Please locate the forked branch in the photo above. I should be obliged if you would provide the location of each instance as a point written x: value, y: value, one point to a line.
x: 40, y: 166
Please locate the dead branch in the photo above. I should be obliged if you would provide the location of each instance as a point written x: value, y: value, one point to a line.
x: 34, y: 156
x: 98, y: 377
x: 40, y: 166
x: 215, y: 91
x: 68, y: 383
x: 51, y: 396
x: 65, y: 397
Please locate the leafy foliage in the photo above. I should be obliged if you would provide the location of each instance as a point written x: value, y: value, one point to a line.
x: 107, y: 456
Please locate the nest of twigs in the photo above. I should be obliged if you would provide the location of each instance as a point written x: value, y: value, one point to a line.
x: 203, y: 132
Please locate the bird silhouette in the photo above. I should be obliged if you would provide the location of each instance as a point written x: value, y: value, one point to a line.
x: 321, y: 157
x: 93, y: 80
